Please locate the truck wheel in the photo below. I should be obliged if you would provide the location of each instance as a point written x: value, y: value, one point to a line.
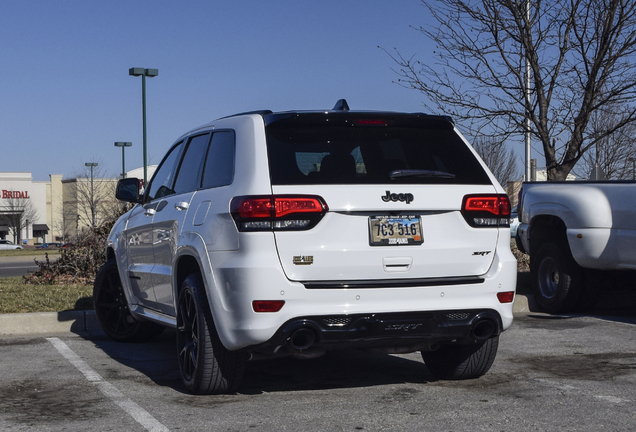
x: 207, y: 367
x: 460, y: 362
x: 556, y: 278
x: 111, y: 309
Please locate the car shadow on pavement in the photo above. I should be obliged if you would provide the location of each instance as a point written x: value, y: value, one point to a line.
x: 156, y: 359
x: 609, y: 302
x: 334, y: 370
x: 337, y: 369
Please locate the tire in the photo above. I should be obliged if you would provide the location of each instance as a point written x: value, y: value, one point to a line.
x: 556, y: 278
x: 111, y: 309
x: 462, y: 361
x: 207, y: 367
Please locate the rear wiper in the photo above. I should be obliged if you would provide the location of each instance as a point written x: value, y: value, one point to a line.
x: 419, y: 173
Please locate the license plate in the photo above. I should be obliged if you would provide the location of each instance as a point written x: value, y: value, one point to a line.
x: 395, y: 230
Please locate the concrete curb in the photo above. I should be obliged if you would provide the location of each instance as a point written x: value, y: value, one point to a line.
x: 78, y: 322
x: 49, y: 323
x: 29, y: 258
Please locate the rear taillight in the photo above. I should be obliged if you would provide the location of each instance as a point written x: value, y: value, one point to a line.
x: 277, y: 212
x: 482, y: 211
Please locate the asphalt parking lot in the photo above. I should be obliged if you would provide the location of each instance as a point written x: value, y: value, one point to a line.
x: 571, y: 373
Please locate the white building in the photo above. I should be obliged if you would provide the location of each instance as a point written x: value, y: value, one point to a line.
x: 57, y: 207
x: 39, y: 200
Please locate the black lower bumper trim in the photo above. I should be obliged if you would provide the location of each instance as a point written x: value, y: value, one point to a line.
x: 394, y: 283
x: 385, y: 329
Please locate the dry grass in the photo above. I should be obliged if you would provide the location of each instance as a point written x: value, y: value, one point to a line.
x: 17, y: 297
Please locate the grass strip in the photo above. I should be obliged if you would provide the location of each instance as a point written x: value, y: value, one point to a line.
x: 18, y: 297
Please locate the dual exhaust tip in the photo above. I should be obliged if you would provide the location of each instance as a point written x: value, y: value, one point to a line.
x: 484, y: 329
x: 302, y: 338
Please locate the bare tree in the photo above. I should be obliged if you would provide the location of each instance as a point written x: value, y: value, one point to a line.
x: 580, y: 55
x: 501, y: 162
x: 93, y: 196
x: 614, y: 154
x: 19, y: 213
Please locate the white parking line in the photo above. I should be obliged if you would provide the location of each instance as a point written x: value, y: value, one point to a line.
x: 139, y: 414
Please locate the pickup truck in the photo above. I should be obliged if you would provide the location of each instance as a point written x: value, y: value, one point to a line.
x: 581, y: 236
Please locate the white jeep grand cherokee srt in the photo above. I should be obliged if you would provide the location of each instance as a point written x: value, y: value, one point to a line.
x: 292, y: 233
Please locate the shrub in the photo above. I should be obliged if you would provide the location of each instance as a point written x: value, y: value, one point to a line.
x: 523, y: 260
x: 78, y: 262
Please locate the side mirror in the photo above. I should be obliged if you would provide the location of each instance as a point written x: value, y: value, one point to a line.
x: 128, y: 190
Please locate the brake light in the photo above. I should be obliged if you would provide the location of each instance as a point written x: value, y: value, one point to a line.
x: 267, y: 305
x: 277, y: 212
x: 254, y: 207
x: 371, y: 122
x: 487, y: 210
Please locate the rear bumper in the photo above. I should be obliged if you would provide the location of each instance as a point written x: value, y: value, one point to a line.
x: 403, y: 332
x: 237, y: 282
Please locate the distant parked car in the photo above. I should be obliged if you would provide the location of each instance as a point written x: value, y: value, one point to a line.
x: 48, y: 245
x: 8, y: 244
x: 65, y: 245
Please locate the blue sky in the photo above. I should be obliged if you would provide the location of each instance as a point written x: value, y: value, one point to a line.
x: 66, y: 96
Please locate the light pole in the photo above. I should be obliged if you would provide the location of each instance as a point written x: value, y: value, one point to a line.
x: 527, y: 137
x: 92, y: 165
x: 123, y: 146
x: 143, y: 73
x: 633, y: 161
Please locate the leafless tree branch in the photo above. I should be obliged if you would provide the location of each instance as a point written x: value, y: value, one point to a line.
x: 581, y: 55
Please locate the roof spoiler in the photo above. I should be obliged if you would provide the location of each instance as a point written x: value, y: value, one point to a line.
x: 341, y: 105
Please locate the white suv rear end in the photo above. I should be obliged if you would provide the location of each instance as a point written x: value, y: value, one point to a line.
x: 268, y: 234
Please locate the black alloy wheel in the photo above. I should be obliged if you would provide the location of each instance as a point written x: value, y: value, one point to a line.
x: 111, y: 309
x: 207, y: 367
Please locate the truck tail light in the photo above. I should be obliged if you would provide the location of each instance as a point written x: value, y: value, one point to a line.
x: 277, y: 212
x: 481, y: 211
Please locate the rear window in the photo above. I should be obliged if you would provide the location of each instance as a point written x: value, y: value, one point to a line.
x: 334, y: 148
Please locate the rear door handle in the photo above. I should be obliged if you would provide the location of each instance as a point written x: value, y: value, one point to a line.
x: 181, y: 205
x: 150, y: 212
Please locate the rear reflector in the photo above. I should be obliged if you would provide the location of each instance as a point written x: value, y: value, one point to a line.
x: 267, y: 305
x: 487, y: 210
x: 506, y: 297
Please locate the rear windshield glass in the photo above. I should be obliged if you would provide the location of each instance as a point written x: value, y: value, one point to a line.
x: 359, y: 149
